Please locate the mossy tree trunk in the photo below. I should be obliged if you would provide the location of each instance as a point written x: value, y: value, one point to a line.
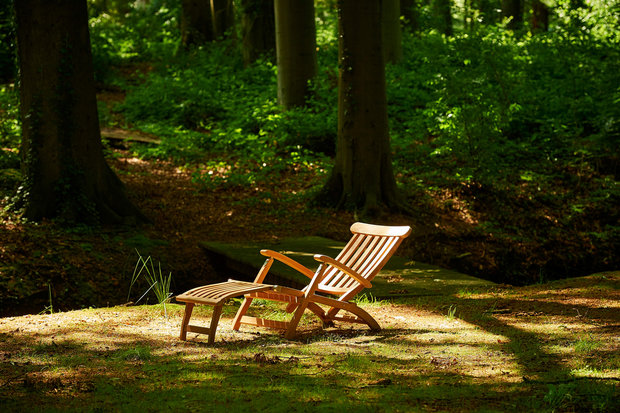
x: 258, y: 30
x: 362, y: 176
x: 66, y: 175
x: 295, y: 50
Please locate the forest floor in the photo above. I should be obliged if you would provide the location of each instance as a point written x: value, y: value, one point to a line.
x: 550, y: 347
x: 46, y: 264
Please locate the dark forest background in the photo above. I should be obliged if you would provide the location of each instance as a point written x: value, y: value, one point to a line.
x: 504, y: 119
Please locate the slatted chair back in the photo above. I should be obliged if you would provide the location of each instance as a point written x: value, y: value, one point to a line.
x: 368, y: 250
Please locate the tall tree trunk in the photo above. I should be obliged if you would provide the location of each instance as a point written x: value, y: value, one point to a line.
x: 513, y: 9
x: 295, y: 49
x: 362, y: 176
x: 196, y: 22
x: 442, y: 16
x: 390, y: 27
x: 258, y: 30
x: 66, y: 175
x: 223, y: 17
x: 540, y: 16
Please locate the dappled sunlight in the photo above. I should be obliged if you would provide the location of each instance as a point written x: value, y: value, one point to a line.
x: 134, y: 161
x: 99, y: 352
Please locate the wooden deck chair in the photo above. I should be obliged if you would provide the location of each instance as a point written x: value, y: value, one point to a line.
x: 368, y: 250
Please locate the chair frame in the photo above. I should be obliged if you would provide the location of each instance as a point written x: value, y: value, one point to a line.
x: 368, y: 250
x: 350, y: 272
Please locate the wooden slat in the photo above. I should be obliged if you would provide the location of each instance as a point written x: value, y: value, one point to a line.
x: 380, y: 230
x: 262, y: 322
x: 198, y: 329
x: 216, y: 293
x: 384, y: 256
x: 285, y: 298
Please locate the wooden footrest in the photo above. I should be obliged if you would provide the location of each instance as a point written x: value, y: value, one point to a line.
x: 215, y: 295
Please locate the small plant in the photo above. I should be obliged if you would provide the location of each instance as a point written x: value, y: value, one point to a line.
x: 367, y: 299
x: 559, y: 396
x: 585, y: 345
x: 451, y: 312
x: 157, y: 281
x: 49, y: 308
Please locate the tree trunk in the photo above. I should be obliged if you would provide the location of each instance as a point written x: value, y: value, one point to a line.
x: 390, y: 26
x: 223, y: 17
x: 540, y: 16
x: 442, y: 16
x: 66, y: 175
x: 513, y: 9
x: 295, y: 49
x: 258, y: 30
x: 362, y: 176
x: 196, y: 23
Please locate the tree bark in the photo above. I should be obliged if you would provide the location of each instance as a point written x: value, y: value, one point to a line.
x: 540, y: 16
x: 362, y: 176
x: 258, y: 30
x: 223, y: 17
x: 442, y: 16
x: 196, y: 23
x: 295, y: 50
x: 390, y: 27
x: 66, y: 175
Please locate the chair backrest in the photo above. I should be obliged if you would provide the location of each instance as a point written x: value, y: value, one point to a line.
x: 368, y: 250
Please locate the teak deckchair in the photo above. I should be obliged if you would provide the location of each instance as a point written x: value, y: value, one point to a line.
x: 368, y: 250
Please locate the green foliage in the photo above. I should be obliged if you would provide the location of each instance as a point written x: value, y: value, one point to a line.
x: 485, y: 103
x: 10, y: 126
x: 131, y: 32
x: 580, y: 396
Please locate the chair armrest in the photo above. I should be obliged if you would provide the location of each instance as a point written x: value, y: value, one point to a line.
x: 345, y: 269
x: 288, y: 261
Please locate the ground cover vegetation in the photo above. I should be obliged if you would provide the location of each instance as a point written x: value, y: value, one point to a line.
x: 504, y: 146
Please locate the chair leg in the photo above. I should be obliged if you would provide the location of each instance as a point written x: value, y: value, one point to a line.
x: 368, y: 319
x: 292, y: 325
x: 217, y: 312
x: 241, y: 312
x: 188, y: 313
